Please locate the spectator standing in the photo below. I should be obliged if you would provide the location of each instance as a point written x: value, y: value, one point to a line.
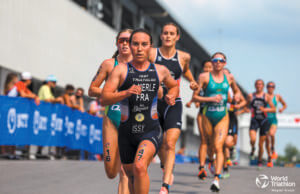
x: 69, y: 92
x: 45, y: 92
x: 77, y: 100
x: 22, y: 87
x: 10, y: 89
x: 46, y: 95
x: 25, y: 92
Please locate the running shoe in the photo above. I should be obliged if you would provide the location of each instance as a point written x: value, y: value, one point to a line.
x: 229, y: 162
x: 163, y: 190
x: 259, y: 164
x: 274, y: 155
x: 202, y: 174
x: 215, y: 187
x: 225, y: 175
x: 252, y: 157
x: 270, y: 164
x: 211, y: 168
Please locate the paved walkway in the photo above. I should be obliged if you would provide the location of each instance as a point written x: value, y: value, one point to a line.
x: 78, y: 177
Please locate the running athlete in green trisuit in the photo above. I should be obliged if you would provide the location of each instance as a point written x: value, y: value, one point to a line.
x: 215, y: 117
x: 204, y: 145
x: 272, y: 116
x: 111, y: 120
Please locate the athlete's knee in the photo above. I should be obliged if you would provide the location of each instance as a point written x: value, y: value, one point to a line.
x: 111, y: 173
x: 272, y: 133
x: 218, y: 148
x: 229, y: 144
x: 139, y: 169
x: 261, y: 143
x: 170, y: 145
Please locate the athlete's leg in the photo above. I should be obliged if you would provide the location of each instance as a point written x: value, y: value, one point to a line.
x: 229, y: 143
x: 208, y: 134
x: 111, y: 156
x: 144, y: 155
x: 252, y: 134
x: 172, y: 136
x: 272, y: 133
x: 203, y: 143
x: 123, y: 182
x: 262, y: 139
x: 162, y: 152
x: 220, y: 134
x: 128, y: 169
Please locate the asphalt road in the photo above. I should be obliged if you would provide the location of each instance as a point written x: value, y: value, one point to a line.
x: 80, y: 177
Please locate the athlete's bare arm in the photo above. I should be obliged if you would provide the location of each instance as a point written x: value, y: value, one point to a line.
x: 170, y: 83
x: 249, y: 99
x: 185, y: 60
x: 270, y: 102
x: 110, y: 95
x: 242, y: 102
x: 203, y: 81
x: 236, y: 90
x: 104, y: 69
x: 284, y: 105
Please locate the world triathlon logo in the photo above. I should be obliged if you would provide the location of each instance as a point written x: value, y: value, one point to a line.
x: 262, y: 181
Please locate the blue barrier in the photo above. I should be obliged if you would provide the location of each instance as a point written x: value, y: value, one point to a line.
x: 22, y: 122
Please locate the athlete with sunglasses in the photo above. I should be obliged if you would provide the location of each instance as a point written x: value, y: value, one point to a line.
x: 111, y: 120
x: 205, y: 146
x: 258, y: 103
x: 215, y: 116
x: 272, y: 116
x: 170, y: 116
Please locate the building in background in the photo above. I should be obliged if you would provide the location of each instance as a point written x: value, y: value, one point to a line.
x: 71, y: 38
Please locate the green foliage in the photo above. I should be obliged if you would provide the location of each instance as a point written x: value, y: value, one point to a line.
x: 291, y: 152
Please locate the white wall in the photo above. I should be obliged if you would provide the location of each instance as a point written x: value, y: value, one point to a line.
x: 53, y: 37
x: 58, y: 37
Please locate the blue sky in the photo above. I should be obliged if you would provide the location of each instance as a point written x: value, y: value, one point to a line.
x: 261, y: 39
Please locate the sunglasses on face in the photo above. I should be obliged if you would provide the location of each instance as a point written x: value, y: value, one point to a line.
x: 215, y: 60
x: 270, y: 86
x: 122, y: 40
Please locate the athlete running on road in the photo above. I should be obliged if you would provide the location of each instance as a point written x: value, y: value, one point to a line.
x: 203, y: 148
x: 170, y: 117
x: 258, y: 103
x: 272, y: 116
x: 135, y: 85
x: 111, y: 120
x: 215, y: 118
x: 234, y: 104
